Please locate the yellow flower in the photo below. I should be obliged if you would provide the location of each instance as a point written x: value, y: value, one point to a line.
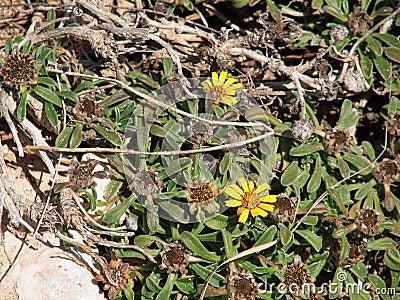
x: 249, y: 200
x: 223, y: 89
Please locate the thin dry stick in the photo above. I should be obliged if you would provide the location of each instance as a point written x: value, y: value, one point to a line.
x: 300, y: 95
x: 361, y: 39
x: 134, y: 152
x: 4, y: 110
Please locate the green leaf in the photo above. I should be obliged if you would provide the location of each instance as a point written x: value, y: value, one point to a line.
x: 392, y: 259
x: 358, y: 161
x: 51, y: 113
x: 46, y: 81
x: 383, y: 67
x: 165, y: 292
x: 178, y: 165
x: 229, y: 249
x: 193, y: 243
x: 112, y: 188
x: 76, y: 137
x: 51, y: 15
x: 314, y: 240
x: 84, y: 85
x: 267, y: 236
x: 382, y: 12
x: 291, y: 173
x: 374, y: 45
x: 343, y: 166
x: 64, y: 137
x: 174, y: 211
x: 115, y: 214
x: 239, y: 3
x: 335, y: 12
x: 364, y: 190
x: 48, y: 95
x: 217, y: 222
x: 379, y: 284
x: 205, y: 273
x: 347, y: 116
x: 27, y: 47
x: 167, y: 66
x: 381, y: 244
x: 109, y: 135
x: 393, y: 54
x: 274, y: 11
x: 305, y: 149
x: 389, y: 39
x: 146, y: 240
x: 369, y: 150
x: 225, y: 163
x: 315, y: 180
x: 366, y: 64
x: 285, y: 234
x: 186, y: 284
x: 68, y: 95
x: 21, y: 109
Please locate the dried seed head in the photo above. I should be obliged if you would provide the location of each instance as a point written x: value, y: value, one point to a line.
x: 131, y: 223
x: 119, y: 273
x: 146, y: 182
x: 339, y: 33
x: 296, y: 276
x: 393, y: 124
x: 367, y: 220
x: 202, y: 195
x: 353, y: 81
x: 19, y: 69
x: 302, y: 130
x: 175, y: 257
x: 387, y: 171
x: 81, y: 175
x: 50, y: 219
x: 199, y: 132
x: 284, y: 209
x: 356, y: 253
x: 242, y: 286
x: 359, y: 21
x: 337, y: 140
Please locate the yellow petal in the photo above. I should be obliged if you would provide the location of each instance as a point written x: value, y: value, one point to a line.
x: 229, y: 100
x: 231, y: 81
x: 234, y: 191
x: 233, y: 203
x: 244, y: 215
x: 267, y: 207
x: 223, y: 76
x: 258, y: 212
x: 251, y: 185
x: 214, y: 76
x: 244, y: 184
x: 262, y: 188
x: 269, y: 198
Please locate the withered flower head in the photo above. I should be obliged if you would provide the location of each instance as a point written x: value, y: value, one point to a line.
x: 356, y: 253
x: 339, y: 33
x: 146, y: 182
x: 87, y: 109
x: 119, y: 273
x: 284, y: 209
x: 394, y: 124
x: 353, y: 81
x: 18, y: 69
x: 302, y: 130
x: 81, y: 174
x: 296, y: 277
x: 202, y: 195
x: 242, y: 286
x: 367, y: 220
x: 175, y: 257
x: 359, y: 21
x: 337, y: 140
x: 50, y: 218
x: 199, y: 132
x: 387, y: 171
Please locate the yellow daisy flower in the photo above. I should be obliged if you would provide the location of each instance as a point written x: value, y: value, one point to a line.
x: 223, y: 89
x: 249, y: 199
